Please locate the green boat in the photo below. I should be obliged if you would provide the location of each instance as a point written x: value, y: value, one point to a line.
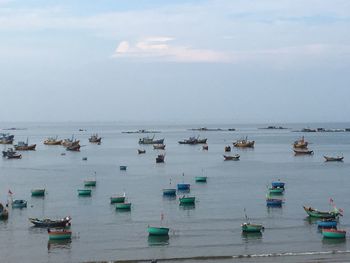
x: 84, y: 192
x: 59, y: 234
x: 123, y: 206
x: 333, y: 233
x: 158, y: 231
x: 187, y: 200
x: 38, y: 192
x: 275, y: 190
x: 90, y: 183
x: 248, y: 227
x: 201, y: 179
x: 117, y: 199
x: 322, y: 214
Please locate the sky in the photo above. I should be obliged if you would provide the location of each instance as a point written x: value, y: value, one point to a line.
x: 234, y: 61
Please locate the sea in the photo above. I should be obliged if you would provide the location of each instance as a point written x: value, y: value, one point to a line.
x: 210, y: 230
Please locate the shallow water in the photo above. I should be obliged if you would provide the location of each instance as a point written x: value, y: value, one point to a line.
x: 211, y: 228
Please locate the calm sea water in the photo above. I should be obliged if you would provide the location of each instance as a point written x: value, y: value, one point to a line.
x: 210, y: 228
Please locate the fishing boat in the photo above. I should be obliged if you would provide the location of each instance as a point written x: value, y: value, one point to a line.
x: 19, y: 203
x: 234, y: 157
x: 200, y: 179
x: 277, y: 184
x: 157, y: 231
x: 205, y: 147
x: 273, y: 202
x: 169, y: 192
x: 303, y: 151
x: 123, y: 206
x: 70, y: 142
x: 201, y: 141
x: 187, y: 200
x: 62, y: 234
x: 327, y: 223
x: 11, y: 154
x: 90, y: 182
x: 6, y: 138
x: 122, y: 167
x: 117, y: 199
x: 183, y: 187
x: 38, y: 192
x: 244, y: 143
x: 275, y: 190
x: 52, y: 141
x: 160, y: 158
x: 148, y: 140
x: 227, y: 148
x: 322, y: 214
x: 74, y: 147
x: 4, y: 214
x: 193, y: 141
x: 24, y: 146
x: 46, y: 222
x: 9, y: 151
x: 251, y: 228
x: 95, y: 139
x: 141, y: 151
x: 158, y: 146
x: 333, y: 233
x: 334, y: 159
x: 84, y: 192
x: 301, y: 143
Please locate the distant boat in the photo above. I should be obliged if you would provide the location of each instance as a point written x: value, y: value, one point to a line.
x: 84, y: 192
x: 277, y: 184
x: 122, y: 167
x: 227, y: 148
x: 327, y: 223
x: 303, y: 152
x: 46, y: 222
x: 231, y: 157
x: 322, y: 214
x: 4, y: 214
x: 193, y: 141
x: 148, y: 140
x: 74, y: 147
x: 90, y: 182
x: 275, y: 190
x: 333, y: 233
x: 169, y: 191
x: 11, y: 154
x: 52, y: 141
x: 70, y: 142
x: 117, y: 199
x: 18, y: 203
x: 6, y: 138
x: 334, y: 159
x: 300, y: 144
x: 62, y: 234
x: 187, y: 200
x: 157, y: 231
x: 274, y: 202
x: 141, y: 151
x: 205, y: 147
x: 244, y: 143
x: 24, y: 146
x: 200, y: 179
x: 183, y: 187
x: 123, y: 206
x: 95, y: 139
x: 159, y: 146
x: 252, y: 228
x: 160, y: 158
x: 38, y: 192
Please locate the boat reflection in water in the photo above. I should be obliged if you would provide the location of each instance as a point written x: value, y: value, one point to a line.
x: 59, y: 244
x: 187, y: 206
x: 248, y: 236
x: 158, y: 240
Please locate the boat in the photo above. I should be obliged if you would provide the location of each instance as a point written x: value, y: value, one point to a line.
x: 4, y: 214
x: 244, y: 143
x: 38, y: 192
x: 193, y: 141
x: 70, y: 142
x: 187, y: 200
x: 200, y: 179
x: 157, y: 231
x: 117, y: 199
x: 273, y: 202
x: 322, y: 214
x: 231, y: 157
x: 19, y: 203
x: 158, y: 146
x: 183, y: 187
x: 84, y: 192
x: 333, y: 233
x: 202, y: 141
x: 95, y: 139
x: 74, y: 147
x: 160, y: 158
x: 141, y: 151
x: 277, y: 184
x: 122, y: 167
x: 84, y: 158
x: 6, y: 138
x: 275, y: 190
x: 334, y: 159
x: 327, y: 223
x: 205, y: 147
x: 123, y: 206
x: 303, y: 151
x: 46, y: 222
x: 227, y: 148
x: 90, y: 182
x: 24, y: 146
x: 148, y: 140
x: 251, y: 228
x: 62, y: 234
x: 52, y: 141
x: 169, y: 192
x: 9, y: 151
x: 11, y: 154
x: 300, y: 144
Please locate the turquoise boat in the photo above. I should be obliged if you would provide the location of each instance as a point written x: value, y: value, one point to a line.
x: 117, y: 199
x: 84, y: 192
x: 38, y: 192
x: 59, y: 234
x: 187, y: 200
x: 275, y: 190
x: 123, y: 206
x: 19, y: 203
x: 90, y: 183
x: 158, y: 231
x: 169, y: 192
x: 248, y: 227
x: 201, y: 179
x: 322, y: 214
x: 333, y: 233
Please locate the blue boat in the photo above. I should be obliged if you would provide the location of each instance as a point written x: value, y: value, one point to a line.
x: 327, y: 223
x: 169, y: 192
x: 183, y: 187
x: 19, y: 203
x: 277, y: 184
x: 274, y: 202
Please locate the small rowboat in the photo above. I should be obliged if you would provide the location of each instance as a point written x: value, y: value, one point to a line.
x: 141, y: 151
x: 158, y: 146
x: 187, y: 200
x: 231, y: 157
x: 38, y: 192
x: 122, y: 167
x: 117, y: 199
x: 327, y: 223
x: 183, y: 187
x: 123, y: 206
x: 274, y: 202
x: 248, y: 227
x: 90, y: 183
x: 59, y: 234
x: 169, y: 191
x: 333, y: 233
x: 322, y: 214
x: 157, y: 231
x: 275, y: 190
x: 334, y: 159
x: 19, y: 203
x: 277, y: 184
x: 201, y: 179
x: 84, y: 192
x: 303, y: 152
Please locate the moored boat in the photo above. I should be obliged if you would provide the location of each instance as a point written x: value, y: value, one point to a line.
x: 300, y: 144
x: 327, y: 223
x: 73, y: 147
x: 234, y: 157
x: 38, y: 192
x: 334, y: 159
x: 159, y: 146
x: 123, y: 206
x: 248, y: 227
x: 148, y: 140
x: 62, y: 234
x: 4, y: 214
x: 95, y: 139
x: 90, y: 182
x: 46, y: 222
x: 122, y: 167
x: 275, y: 190
x: 183, y: 187
x: 303, y: 151
x: 274, y: 202
x: 200, y: 179
x: 160, y: 158
x: 117, y: 199
x: 19, y: 203
x: 193, y: 141
x: 227, y: 148
x: 11, y: 154
x: 333, y: 233
x: 6, y: 138
x: 277, y: 184
x: 244, y: 143
x: 205, y: 147
x: 141, y: 151
x: 70, y: 142
x: 322, y: 214
x: 52, y: 141
x: 24, y: 146
x: 169, y: 192
x: 157, y: 231
x: 84, y: 192
x: 187, y: 200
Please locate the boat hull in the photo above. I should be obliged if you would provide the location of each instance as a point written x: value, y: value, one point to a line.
x: 183, y: 187
x: 201, y: 179
x: 90, y: 183
x: 84, y: 192
x: 123, y: 206
x: 327, y: 224
x: 38, y: 192
x: 190, y: 200
x: 169, y: 192
x: 158, y: 231
x: 19, y: 204
x: 319, y: 214
x: 117, y: 199
x: 252, y: 228
x: 333, y: 233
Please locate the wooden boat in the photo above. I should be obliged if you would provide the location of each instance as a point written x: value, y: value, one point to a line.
x: 275, y: 190
x: 303, y: 151
x: 274, y: 202
x: 70, y: 142
x: 13, y: 155
x: 249, y: 227
x: 73, y: 147
x: 46, y: 222
x: 183, y: 187
x: 24, y: 146
x: 159, y: 146
x: 227, y: 148
x: 62, y: 234
x: 9, y: 151
x: 148, y: 140
x: 277, y: 184
x: 18, y: 203
x: 193, y: 141
x: 4, y: 214
x: 95, y: 139
x: 160, y: 158
x: 187, y: 200
x: 205, y: 147
x: 123, y: 206
x: 90, y: 182
x: 117, y: 199
x: 200, y: 179
x: 327, y: 223
x: 333, y: 233
x: 231, y: 157
x: 38, y: 192
x: 52, y: 141
x: 300, y: 144
x: 334, y: 159
x: 141, y: 151
x: 6, y: 138
x: 244, y: 143
x: 322, y: 214
x: 84, y: 192
x: 169, y: 192
x: 122, y: 167
x: 157, y: 231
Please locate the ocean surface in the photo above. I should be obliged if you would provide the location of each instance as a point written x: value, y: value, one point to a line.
x: 210, y: 228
